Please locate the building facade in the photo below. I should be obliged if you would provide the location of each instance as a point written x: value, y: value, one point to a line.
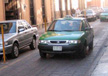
x: 105, y: 4
x: 94, y: 3
x: 2, y: 11
x: 81, y: 4
x: 35, y: 11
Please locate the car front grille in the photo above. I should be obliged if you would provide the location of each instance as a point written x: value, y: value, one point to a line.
x: 58, y: 42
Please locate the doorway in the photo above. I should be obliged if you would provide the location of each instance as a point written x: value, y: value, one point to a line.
x: 11, y: 10
x: 32, y: 15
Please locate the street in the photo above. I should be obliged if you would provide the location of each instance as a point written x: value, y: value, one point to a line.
x: 29, y: 62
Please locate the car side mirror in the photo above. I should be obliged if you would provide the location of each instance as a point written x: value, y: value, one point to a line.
x: 20, y: 30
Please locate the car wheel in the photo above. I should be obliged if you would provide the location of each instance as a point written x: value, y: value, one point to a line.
x: 83, y: 53
x: 33, y: 44
x: 15, y: 51
x: 42, y: 55
x: 91, y: 45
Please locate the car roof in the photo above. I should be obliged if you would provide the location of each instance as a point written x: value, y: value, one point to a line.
x: 10, y: 21
x: 72, y: 18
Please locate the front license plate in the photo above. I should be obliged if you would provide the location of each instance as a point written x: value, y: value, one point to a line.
x: 57, y: 48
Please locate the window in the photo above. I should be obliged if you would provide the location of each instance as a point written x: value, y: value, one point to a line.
x: 9, y: 27
x: 26, y: 25
x: 86, y: 23
x: 32, y: 16
x: 20, y: 25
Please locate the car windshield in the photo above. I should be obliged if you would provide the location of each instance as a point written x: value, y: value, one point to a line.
x: 9, y: 27
x: 65, y: 25
x: 88, y: 11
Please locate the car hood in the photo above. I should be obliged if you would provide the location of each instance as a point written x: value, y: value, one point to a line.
x: 7, y: 36
x: 75, y: 35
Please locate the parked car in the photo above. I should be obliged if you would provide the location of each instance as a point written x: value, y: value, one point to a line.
x: 90, y: 15
x: 65, y: 36
x: 97, y: 10
x: 104, y: 15
x: 17, y: 35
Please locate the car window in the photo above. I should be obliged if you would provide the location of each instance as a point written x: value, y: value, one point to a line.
x: 20, y: 26
x: 83, y: 25
x: 65, y: 25
x: 9, y: 27
x: 27, y: 26
x: 86, y: 24
x: 89, y: 11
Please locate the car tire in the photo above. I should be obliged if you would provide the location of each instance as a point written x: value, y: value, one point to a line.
x: 83, y: 53
x: 42, y: 55
x: 33, y: 44
x: 15, y: 51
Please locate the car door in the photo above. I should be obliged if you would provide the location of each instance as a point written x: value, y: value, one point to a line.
x: 90, y: 31
x: 21, y: 34
x: 28, y: 33
x: 87, y: 31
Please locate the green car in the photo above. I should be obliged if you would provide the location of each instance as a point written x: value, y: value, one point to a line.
x: 66, y: 36
x: 104, y: 15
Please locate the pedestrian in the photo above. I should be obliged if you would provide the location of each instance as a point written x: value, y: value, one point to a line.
x: 73, y: 12
x: 78, y: 12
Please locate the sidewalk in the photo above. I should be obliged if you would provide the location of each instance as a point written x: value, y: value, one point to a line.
x: 102, y: 66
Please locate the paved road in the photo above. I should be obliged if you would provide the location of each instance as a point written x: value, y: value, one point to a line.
x: 29, y: 62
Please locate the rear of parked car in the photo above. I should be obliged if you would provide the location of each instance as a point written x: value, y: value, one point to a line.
x: 104, y: 15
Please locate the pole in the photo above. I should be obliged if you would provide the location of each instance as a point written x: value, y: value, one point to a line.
x: 20, y: 10
x: 4, y: 56
x: 45, y: 24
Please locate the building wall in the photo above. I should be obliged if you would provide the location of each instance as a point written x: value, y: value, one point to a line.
x: 94, y: 3
x: 2, y: 11
x: 63, y: 8
x: 105, y: 3
x: 68, y: 7
x: 38, y: 11
x: 25, y: 10
x: 81, y: 4
x: 48, y: 10
x: 57, y: 10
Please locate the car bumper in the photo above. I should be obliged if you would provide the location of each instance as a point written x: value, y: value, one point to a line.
x: 65, y: 48
x: 8, y: 49
x: 104, y: 18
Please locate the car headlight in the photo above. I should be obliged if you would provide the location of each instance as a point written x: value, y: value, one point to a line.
x: 5, y: 43
x: 73, y: 41
x: 44, y: 41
